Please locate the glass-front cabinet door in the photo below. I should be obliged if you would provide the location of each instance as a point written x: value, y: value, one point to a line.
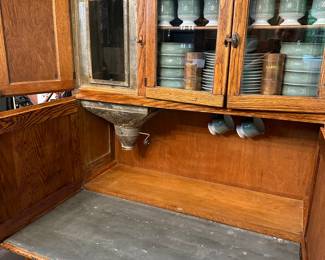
x: 105, y: 33
x: 278, y: 64
x: 186, y: 53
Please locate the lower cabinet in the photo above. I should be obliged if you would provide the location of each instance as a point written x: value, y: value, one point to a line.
x: 264, y: 185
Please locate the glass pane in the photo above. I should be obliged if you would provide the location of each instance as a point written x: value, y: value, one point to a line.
x: 284, y: 48
x: 107, y: 39
x: 187, y: 31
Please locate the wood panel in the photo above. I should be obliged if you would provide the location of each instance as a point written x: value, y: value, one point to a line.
x: 36, y: 51
x: 238, y: 207
x: 97, y: 148
x: 40, y: 163
x: 315, y: 236
x: 280, y: 162
x: 104, y: 95
x: 28, y: 116
x: 186, y: 96
x: 30, y: 58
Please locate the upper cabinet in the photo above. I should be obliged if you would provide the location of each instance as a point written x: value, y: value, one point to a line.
x: 35, y: 47
x: 186, y: 53
x: 278, y: 64
x: 106, y: 46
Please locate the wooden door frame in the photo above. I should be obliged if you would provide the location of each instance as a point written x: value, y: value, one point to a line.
x: 63, y: 37
x: 222, y: 61
x: 260, y: 102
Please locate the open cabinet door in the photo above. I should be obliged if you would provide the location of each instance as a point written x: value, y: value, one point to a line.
x: 35, y: 47
x: 40, y: 161
x: 315, y: 236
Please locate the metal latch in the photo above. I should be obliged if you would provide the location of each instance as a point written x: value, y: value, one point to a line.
x: 232, y: 40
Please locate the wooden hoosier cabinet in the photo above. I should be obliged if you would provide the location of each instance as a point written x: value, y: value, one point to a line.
x: 214, y: 109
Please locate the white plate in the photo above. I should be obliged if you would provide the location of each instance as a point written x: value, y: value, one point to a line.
x: 250, y: 89
x: 254, y: 54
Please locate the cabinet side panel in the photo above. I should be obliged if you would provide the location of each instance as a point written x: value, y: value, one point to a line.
x: 97, y: 149
x: 315, y: 239
x: 29, y: 34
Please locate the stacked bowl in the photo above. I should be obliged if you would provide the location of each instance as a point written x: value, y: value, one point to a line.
x: 302, y: 68
x: 252, y: 74
x: 318, y: 11
x: 171, y: 64
x: 208, y: 71
x: 291, y: 11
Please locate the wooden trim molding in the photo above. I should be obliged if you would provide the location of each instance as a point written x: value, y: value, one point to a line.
x: 28, y: 88
x: 22, y: 252
x: 103, y: 96
x: 277, y: 103
x: 28, y: 116
x: 186, y: 96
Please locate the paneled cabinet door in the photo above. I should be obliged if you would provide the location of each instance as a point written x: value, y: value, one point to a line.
x: 278, y: 64
x: 186, y: 53
x: 35, y: 47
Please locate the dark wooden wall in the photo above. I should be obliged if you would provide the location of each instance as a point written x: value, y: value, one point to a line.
x: 46, y: 153
x: 281, y: 162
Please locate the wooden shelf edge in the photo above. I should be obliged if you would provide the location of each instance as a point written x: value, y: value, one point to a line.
x: 186, y: 96
x: 22, y: 252
x: 118, y: 98
x: 29, y: 88
x: 278, y: 103
x: 259, y: 212
x: 31, y: 115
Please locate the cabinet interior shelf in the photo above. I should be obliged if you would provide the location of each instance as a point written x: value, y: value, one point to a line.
x: 285, y: 27
x: 187, y: 28
x: 239, y: 207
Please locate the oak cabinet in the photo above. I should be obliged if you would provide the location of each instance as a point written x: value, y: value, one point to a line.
x: 244, y: 44
x: 173, y: 47
x: 300, y: 42
x: 35, y: 47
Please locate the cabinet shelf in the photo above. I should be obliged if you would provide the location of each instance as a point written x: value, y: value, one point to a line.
x: 286, y: 27
x: 188, y: 28
x: 239, y: 207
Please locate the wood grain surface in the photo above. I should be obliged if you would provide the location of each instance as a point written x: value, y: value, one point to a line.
x: 185, y: 96
x: 40, y: 162
x: 264, y: 213
x: 36, y: 47
x: 97, y: 147
x: 28, y: 116
x: 97, y: 94
x: 315, y: 237
x: 30, y: 57
x: 280, y: 162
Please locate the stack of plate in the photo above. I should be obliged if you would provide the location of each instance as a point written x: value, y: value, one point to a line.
x: 302, y: 69
x: 252, y: 74
x: 208, y: 71
x: 171, y: 64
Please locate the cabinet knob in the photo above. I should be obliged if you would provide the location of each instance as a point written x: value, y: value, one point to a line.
x: 232, y: 40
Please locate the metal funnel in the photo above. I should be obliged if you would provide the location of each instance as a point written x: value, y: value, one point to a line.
x: 127, y: 120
